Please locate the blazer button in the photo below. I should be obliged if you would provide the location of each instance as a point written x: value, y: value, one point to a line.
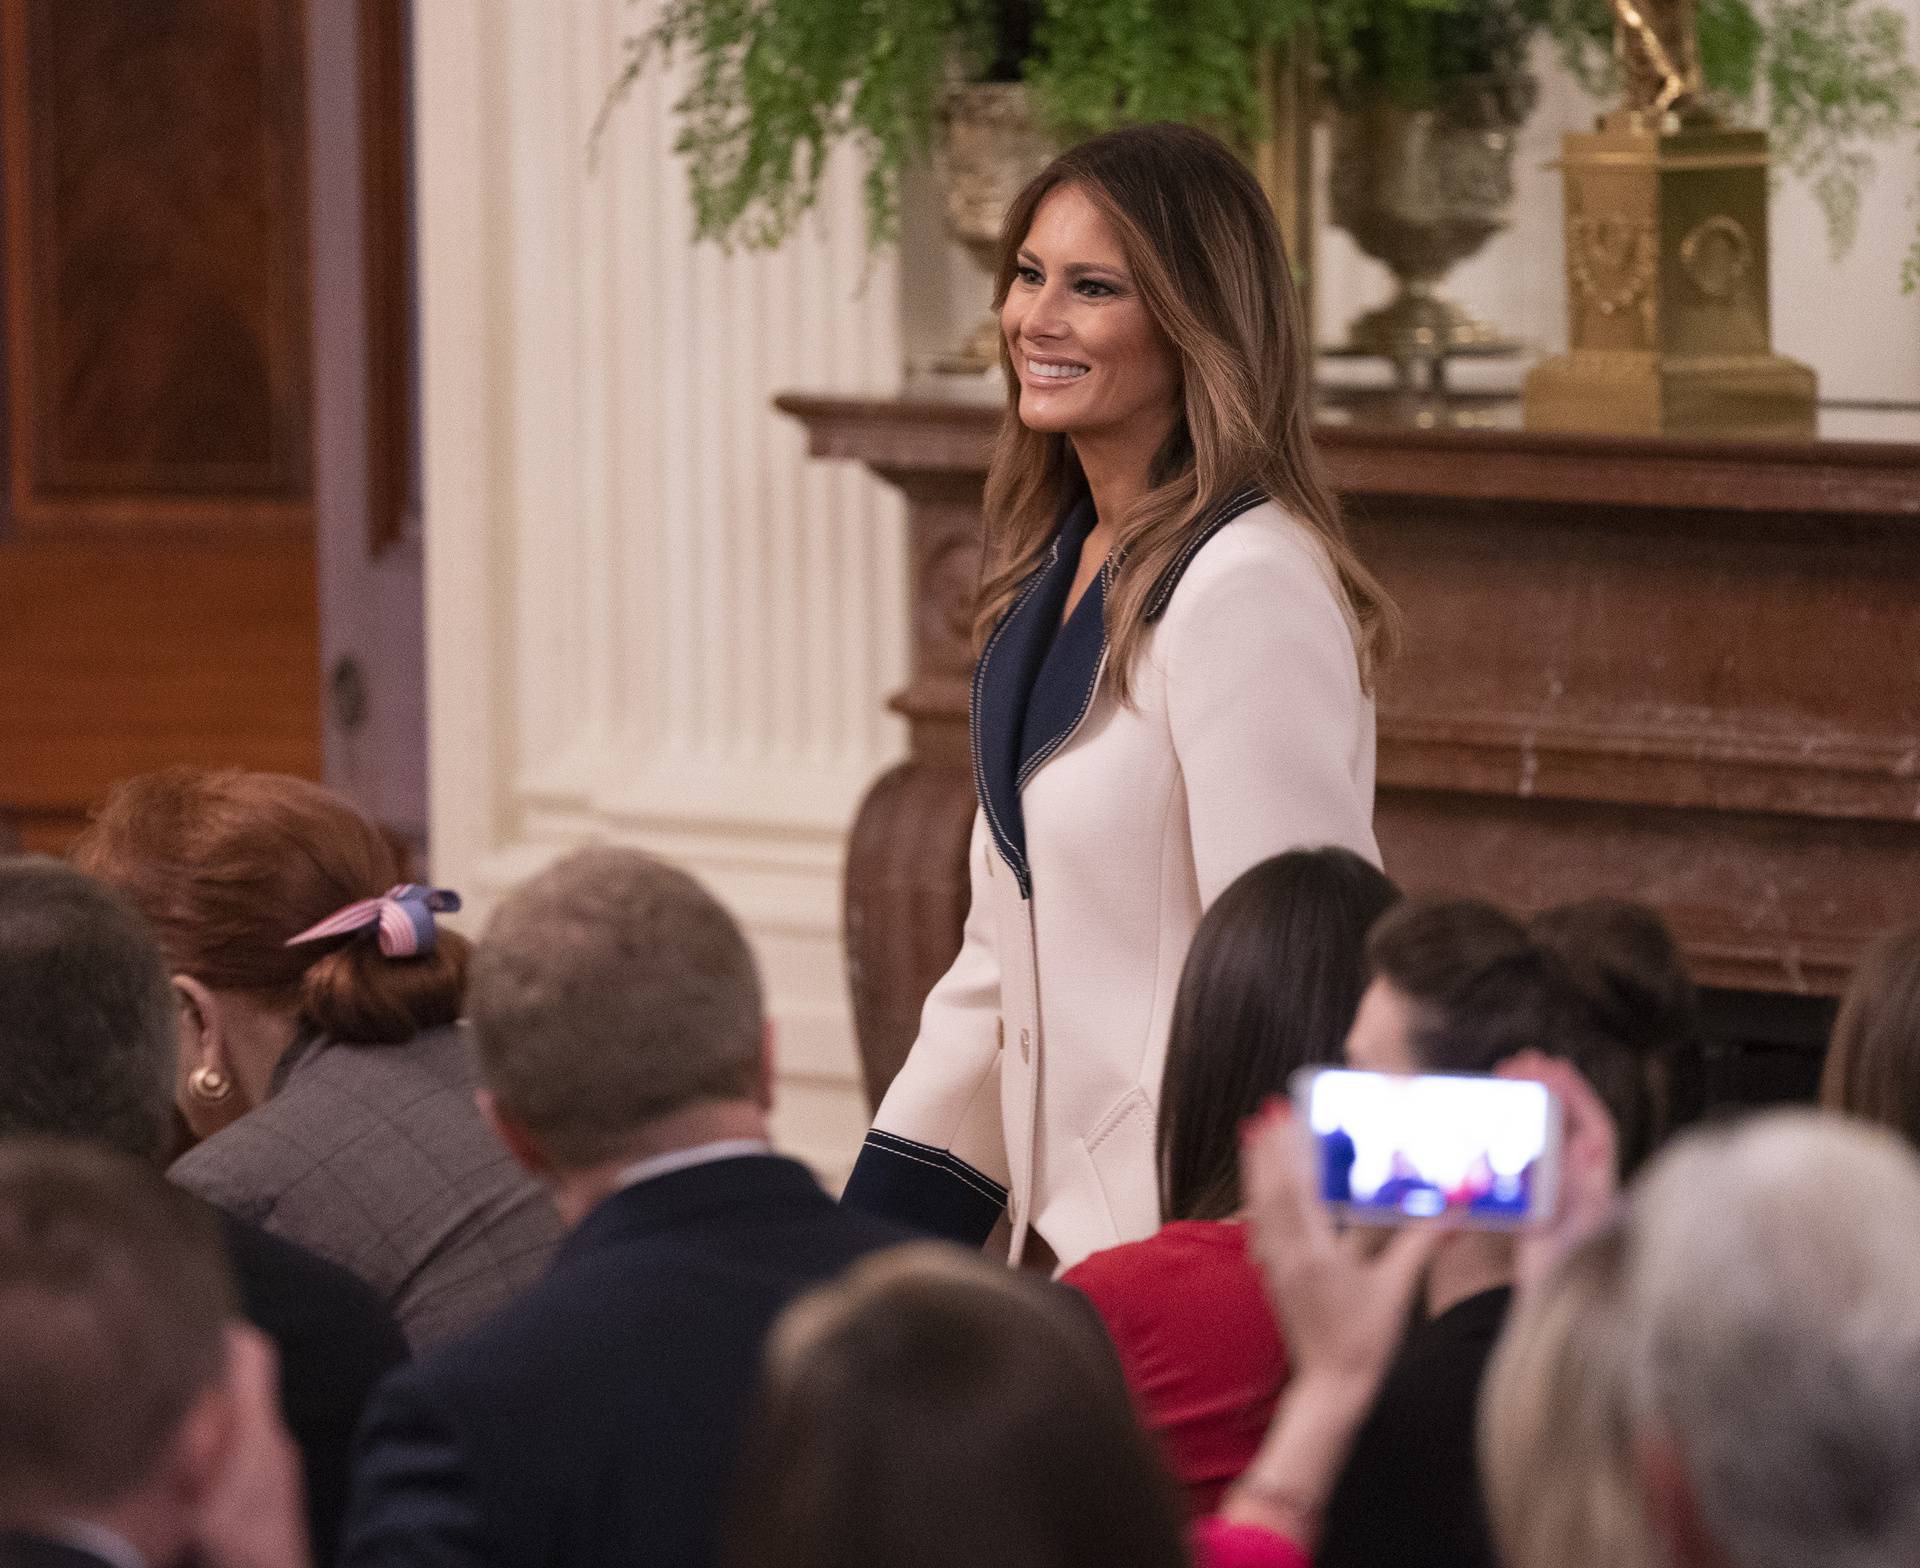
x: 1026, y: 1046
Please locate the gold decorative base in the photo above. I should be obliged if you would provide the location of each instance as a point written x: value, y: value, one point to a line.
x: 978, y: 355
x: 1667, y: 290
x: 1420, y: 324
x: 1762, y: 397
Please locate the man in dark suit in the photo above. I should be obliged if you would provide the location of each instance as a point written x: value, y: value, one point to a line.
x: 626, y: 1063
x: 138, y: 1424
x: 87, y: 1051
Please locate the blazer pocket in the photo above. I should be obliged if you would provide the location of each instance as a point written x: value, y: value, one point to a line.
x: 1120, y: 1148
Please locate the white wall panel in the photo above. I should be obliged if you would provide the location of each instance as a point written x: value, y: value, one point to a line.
x: 651, y: 617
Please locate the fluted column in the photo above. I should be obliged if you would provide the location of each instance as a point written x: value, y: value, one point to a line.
x: 649, y: 617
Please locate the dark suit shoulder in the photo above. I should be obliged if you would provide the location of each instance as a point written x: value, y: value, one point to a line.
x: 603, y: 1406
x: 335, y: 1339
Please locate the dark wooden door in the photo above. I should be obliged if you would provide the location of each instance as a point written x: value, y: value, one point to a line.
x: 366, y: 476
x: 157, y: 587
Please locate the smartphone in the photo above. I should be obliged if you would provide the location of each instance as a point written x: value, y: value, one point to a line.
x: 1391, y: 1148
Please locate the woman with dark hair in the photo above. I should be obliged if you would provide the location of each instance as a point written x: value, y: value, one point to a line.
x: 322, y: 1078
x: 1270, y: 986
x: 1873, y: 1057
x: 1177, y: 654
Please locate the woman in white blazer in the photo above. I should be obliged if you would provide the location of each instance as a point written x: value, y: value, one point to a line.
x: 1174, y: 683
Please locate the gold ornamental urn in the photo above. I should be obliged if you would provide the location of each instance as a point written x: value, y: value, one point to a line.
x: 1419, y: 188
x: 990, y: 145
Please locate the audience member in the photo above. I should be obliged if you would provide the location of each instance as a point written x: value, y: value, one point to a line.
x: 933, y: 1408
x: 1458, y: 987
x: 1270, y: 986
x: 138, y: 1422
x: 1873, y: 1059
x: 627, y: 1065
x: 87, y: 1052
x: 326, y: 1075
x: 1729, y: 1377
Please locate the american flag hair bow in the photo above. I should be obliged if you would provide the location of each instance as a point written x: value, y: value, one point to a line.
x: 402, y: 915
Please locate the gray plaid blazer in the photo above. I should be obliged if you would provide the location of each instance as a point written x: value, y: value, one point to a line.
x: 375, y: 1157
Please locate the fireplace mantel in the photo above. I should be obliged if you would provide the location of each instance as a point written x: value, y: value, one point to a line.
x: 1683, y: 673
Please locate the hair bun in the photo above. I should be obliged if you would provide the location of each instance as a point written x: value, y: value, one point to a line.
x: 357, y: 995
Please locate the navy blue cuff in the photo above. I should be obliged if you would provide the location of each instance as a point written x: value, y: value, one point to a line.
x: 926, y: 1188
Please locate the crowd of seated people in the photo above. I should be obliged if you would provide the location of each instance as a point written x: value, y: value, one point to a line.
x: 326, y: 1237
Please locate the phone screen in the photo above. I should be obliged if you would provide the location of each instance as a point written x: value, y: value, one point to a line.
x: 1391, y: 1147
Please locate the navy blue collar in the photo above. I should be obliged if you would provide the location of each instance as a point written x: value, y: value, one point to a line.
x: 1036, y: 678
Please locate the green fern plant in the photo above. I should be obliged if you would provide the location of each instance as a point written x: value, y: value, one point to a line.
x: 776, y: 84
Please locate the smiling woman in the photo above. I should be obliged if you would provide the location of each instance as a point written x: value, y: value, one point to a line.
x: 1174, y: 683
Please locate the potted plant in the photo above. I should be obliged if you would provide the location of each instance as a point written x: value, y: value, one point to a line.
x: 777, y: 83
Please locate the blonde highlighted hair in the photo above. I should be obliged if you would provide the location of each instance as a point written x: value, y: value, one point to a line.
x: 1203, y: 249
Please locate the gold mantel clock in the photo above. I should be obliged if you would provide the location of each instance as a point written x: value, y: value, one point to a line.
x: 1667, y: 267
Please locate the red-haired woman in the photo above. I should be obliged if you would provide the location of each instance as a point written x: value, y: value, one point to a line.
x: 1174, y: 683
x: 321, y: 1065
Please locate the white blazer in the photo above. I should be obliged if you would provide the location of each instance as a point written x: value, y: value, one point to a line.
x: 1105, y: 831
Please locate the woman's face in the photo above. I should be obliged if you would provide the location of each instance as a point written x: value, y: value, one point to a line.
x: 1090, y: 359
x: 1381, y: 1039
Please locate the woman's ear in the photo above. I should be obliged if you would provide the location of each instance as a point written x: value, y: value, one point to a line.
x: 206, y: 1088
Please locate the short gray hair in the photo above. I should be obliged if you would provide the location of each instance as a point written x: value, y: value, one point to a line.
x: 609, y: 991
x: 87, y: 1041
x: 1773, y: 1301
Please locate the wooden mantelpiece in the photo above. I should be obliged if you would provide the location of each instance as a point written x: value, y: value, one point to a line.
x: 1683, y: 673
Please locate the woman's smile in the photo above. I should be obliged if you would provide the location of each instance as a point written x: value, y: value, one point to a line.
x: 1050, y: 371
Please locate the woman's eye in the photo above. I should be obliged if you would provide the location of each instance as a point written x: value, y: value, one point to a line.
x: 1094, y: 289
x: 1029, y: 275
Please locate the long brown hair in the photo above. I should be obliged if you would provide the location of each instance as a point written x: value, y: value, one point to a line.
x: 936, y: 1409
x: 1873, y: 1058
x: 1271, y: 983
x: 1201, y: 243
x: 227, y: 865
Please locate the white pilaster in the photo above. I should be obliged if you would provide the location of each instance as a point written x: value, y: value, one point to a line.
x: 650, y: 617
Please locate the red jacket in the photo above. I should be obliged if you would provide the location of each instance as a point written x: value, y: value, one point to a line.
x: 1198, y: 1343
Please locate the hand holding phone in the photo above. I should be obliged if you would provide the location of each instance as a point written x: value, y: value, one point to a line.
x: 1390, y: 1149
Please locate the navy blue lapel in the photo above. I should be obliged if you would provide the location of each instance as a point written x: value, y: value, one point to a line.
x: 1036, y: 679
x: 1006, y: 679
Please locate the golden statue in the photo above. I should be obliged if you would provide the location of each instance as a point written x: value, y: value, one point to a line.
x: 1659, y: 61
x: 1668, y: 320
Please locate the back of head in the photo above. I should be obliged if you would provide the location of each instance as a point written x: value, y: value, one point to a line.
x: 608, y: 992
x: 1483, y: 989
x: 1556, y: 1440
x: 114, y: 1298
x: 1629, y: 976
x: 228, y: 865
x: 1271, y: 982
x: 934, y: 1409
x: 1873, y: 1059
x: 86, y: 1015
x: 1773, y: 1290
